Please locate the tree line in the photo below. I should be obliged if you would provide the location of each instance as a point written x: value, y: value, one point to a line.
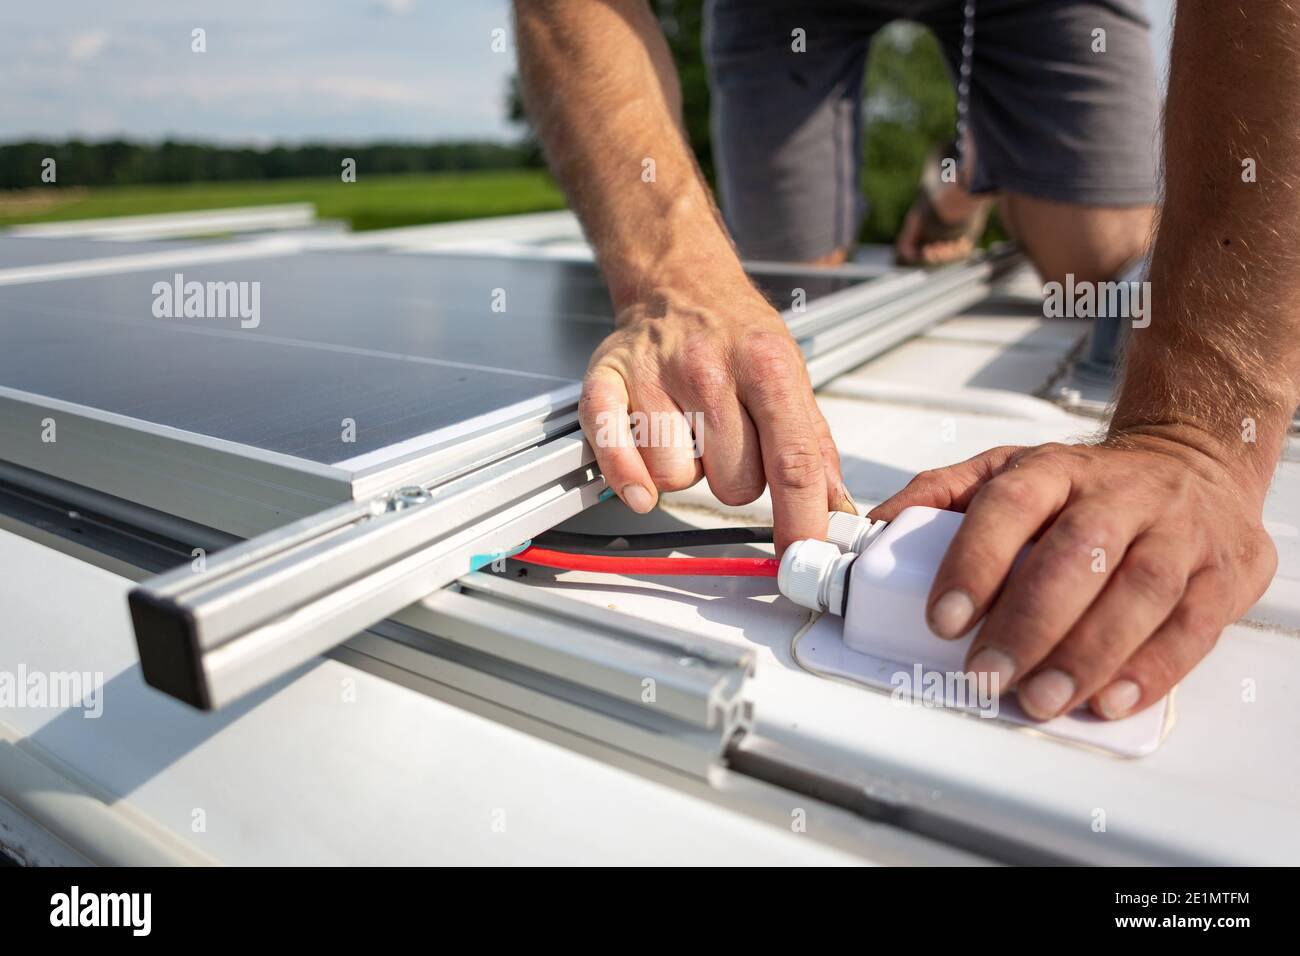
x: 120, y: 162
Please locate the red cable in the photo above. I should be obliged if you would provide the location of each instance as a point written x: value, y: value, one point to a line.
x: 730, y: 567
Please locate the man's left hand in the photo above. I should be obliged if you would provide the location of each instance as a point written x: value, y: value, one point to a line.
x: 1143, y: 548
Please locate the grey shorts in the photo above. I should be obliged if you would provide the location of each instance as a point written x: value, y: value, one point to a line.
x: 1050, y: 117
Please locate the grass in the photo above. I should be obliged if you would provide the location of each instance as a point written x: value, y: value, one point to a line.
x: 372, y: 202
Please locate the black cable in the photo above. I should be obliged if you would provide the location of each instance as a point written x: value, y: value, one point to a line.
x: 660, y: 541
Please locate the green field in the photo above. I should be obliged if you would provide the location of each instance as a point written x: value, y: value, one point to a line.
x: 372, y: 202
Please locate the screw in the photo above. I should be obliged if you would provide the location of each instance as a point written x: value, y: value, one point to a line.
x: 407, y: 497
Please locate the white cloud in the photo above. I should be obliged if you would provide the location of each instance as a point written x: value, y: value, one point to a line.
x: 85, y: 46
x: 284, y: 88
x: 396, y: 8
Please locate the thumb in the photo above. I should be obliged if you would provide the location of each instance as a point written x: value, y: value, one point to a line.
x: 950, y: 488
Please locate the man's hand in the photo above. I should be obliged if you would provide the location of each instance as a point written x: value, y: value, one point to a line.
x: 734, y: 377
x: 1144, y: 548
x: 1148, y: 544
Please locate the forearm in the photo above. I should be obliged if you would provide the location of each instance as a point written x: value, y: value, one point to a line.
x: 601, y: 90
x: 1219, y: 364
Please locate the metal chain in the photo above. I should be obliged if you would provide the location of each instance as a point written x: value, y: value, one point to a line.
x: 964, y: 79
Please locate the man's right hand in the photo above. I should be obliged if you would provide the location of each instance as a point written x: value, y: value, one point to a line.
x: 740, y: 379
x: 694, y: 335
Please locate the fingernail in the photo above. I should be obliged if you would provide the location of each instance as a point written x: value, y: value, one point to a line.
x: 951, y: 614
x: 847, y: 504
x: 1046, y: 693
x: 839, y: 497
x: 637, y: 498
x: 999, y: 666
x: 1118, y: 699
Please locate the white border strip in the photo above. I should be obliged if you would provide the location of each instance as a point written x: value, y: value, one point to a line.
x: 187, y: 255
x: 173, y: 224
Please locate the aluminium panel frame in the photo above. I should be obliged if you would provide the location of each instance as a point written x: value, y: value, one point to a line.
x: 220, y: 484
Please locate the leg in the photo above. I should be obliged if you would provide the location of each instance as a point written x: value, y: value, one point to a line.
x: 1064, y: 115
x: 786, y: 81
x: 1094, y: 243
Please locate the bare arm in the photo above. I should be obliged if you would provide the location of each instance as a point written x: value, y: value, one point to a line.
x: 694, y: 336
x: 1150, y: 543
x: 1223, y: 349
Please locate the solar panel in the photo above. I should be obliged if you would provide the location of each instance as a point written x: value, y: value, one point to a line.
x: 341, y: 360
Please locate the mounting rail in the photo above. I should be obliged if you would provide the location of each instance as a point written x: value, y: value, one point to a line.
x: 210, y: 633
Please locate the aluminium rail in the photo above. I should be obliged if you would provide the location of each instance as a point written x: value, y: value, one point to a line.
x: 260, y: 608
x: 651, y: 691
x: 489, y: 644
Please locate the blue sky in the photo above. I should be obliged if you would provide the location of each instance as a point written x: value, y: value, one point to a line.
x: 292, y: 69
x: 273, y: 70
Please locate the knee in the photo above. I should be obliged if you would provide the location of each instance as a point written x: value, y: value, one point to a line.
x: 1094, y: 244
